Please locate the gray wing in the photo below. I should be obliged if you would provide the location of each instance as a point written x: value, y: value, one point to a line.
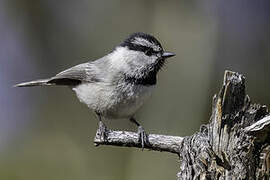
x: 77, y: 72
x: 75, y: 75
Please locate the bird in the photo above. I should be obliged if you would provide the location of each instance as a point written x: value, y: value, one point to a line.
x: 116, y: 85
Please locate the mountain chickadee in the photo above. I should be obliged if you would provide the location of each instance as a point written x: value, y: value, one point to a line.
x: 116, y: 85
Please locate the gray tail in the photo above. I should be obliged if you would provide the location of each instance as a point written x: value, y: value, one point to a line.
x: 40, y: 82
x: 50, y: 82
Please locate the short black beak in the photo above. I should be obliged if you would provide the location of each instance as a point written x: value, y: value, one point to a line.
x: 168, y: 54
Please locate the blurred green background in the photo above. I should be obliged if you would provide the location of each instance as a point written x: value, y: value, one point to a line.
x: 45, y: 133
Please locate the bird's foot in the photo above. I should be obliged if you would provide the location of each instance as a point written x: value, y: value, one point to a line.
x: 142, y: 136
x: 102, y: 131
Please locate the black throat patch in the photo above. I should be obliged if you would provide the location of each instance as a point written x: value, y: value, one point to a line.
x: 148, y: 80
x: 149, y: 75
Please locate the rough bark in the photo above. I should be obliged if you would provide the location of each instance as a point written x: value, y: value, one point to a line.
x: 234, y: 145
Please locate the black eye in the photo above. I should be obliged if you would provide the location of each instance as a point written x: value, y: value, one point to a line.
x: 149, y: 52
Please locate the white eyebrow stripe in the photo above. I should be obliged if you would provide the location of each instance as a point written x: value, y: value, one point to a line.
x: 144, y: 42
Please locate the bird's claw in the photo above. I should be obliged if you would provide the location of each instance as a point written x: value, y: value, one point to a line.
x: 142, y: 136
x: 102, y: 131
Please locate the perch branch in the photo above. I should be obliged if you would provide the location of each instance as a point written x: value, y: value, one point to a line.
x: 154, y: 142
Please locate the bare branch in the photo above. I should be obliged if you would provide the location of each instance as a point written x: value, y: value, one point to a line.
x: 260, y: 125
x: 155, y: 142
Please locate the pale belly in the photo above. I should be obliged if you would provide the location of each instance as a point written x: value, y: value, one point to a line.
x: 111, y: 101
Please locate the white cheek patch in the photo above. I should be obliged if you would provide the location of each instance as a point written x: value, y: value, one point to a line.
x: 144, y: 42
x: 122, y: 56
x: 119, y: 58
x: 130, y: 61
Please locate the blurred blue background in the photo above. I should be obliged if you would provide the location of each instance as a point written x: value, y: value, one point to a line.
x: 45, y: 133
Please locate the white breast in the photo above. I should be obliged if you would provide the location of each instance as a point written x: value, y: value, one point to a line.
x: 121, y: 101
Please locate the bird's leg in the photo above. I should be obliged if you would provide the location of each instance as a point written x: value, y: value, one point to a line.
x: 102, y: 129
x: 141, y: 133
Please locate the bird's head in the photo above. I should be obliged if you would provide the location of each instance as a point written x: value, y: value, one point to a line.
x: 139, y: 55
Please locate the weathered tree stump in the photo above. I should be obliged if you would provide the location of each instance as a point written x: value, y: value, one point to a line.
x: 234, y: 145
